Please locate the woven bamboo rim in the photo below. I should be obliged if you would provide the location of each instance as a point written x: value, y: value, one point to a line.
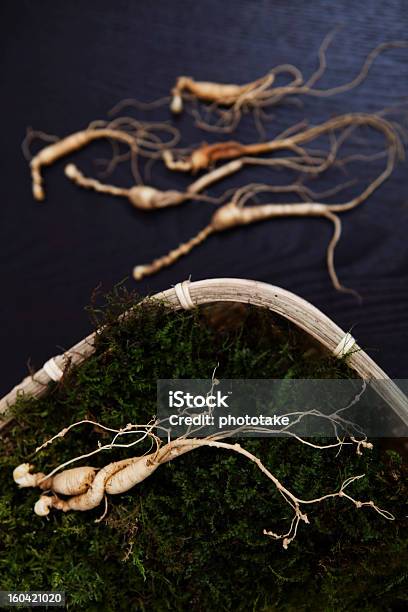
x: 288, y: 305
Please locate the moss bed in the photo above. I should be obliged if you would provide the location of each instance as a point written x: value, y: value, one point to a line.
x: 190, y: 536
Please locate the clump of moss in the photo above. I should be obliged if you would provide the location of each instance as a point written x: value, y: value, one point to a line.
x: 190, y: 537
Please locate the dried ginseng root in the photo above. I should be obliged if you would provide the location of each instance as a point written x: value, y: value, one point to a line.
x: 205, y: 156
x: 300, y: 160
x: 238, y: 97
x: 85, y: 488
x: 234, y: 213
x: 143, y: 197
x: 230, y: 101
x: 141, y: 138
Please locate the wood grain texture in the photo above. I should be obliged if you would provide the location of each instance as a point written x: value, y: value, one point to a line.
x: 64, y: 64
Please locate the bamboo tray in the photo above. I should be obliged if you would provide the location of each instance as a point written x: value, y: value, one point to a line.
x: 190, y: 294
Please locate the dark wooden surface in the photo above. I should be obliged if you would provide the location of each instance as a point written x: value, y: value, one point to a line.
x: 64, y: 64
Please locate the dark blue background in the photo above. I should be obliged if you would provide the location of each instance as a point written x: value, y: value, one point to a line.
x: 66, y: 63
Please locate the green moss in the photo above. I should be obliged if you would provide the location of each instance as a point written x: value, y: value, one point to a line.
x: 190, y: 537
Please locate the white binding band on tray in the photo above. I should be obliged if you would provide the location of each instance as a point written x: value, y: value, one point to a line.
x: 183, y: 293
x: 344, y: 346
x: 53, y: 370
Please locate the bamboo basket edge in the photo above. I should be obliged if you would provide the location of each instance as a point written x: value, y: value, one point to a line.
x: 283, y: 302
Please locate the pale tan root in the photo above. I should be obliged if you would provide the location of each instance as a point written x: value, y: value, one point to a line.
x: 289, y: 497
x: 223, y: 94
x: 74, y: 482
x: 146, y: 197
x: 71, y: 143
x: 237, y: 97
x: 24, y: 478
x: 71, y: 482
x: 131, y: 475
x: 207, y: 155
x: 121, y: 476
x: 216, y: 175
x: 230, y: 215
x: 88, y: 488
x: 233, y: 213
x: 262, y: 93
x: 140, y: 196
x: 93, y: 496
x: 141, y: 271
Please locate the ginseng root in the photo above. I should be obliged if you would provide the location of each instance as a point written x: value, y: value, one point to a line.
x: 71, y: 482
x: 50, y: 154
x: 207, y: 155
x: 139, y: 137
x: 234, y: 213
x: 140, y: 196
x: 120, y: 476
x: 143, y: 197
x: 229, y: 94
x: 263, y: 92
x: 147, y: 197
x: 230, y: 216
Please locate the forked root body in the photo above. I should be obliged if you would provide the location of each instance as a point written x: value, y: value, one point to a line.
x: 121, y: 476
x: 87, y: 486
